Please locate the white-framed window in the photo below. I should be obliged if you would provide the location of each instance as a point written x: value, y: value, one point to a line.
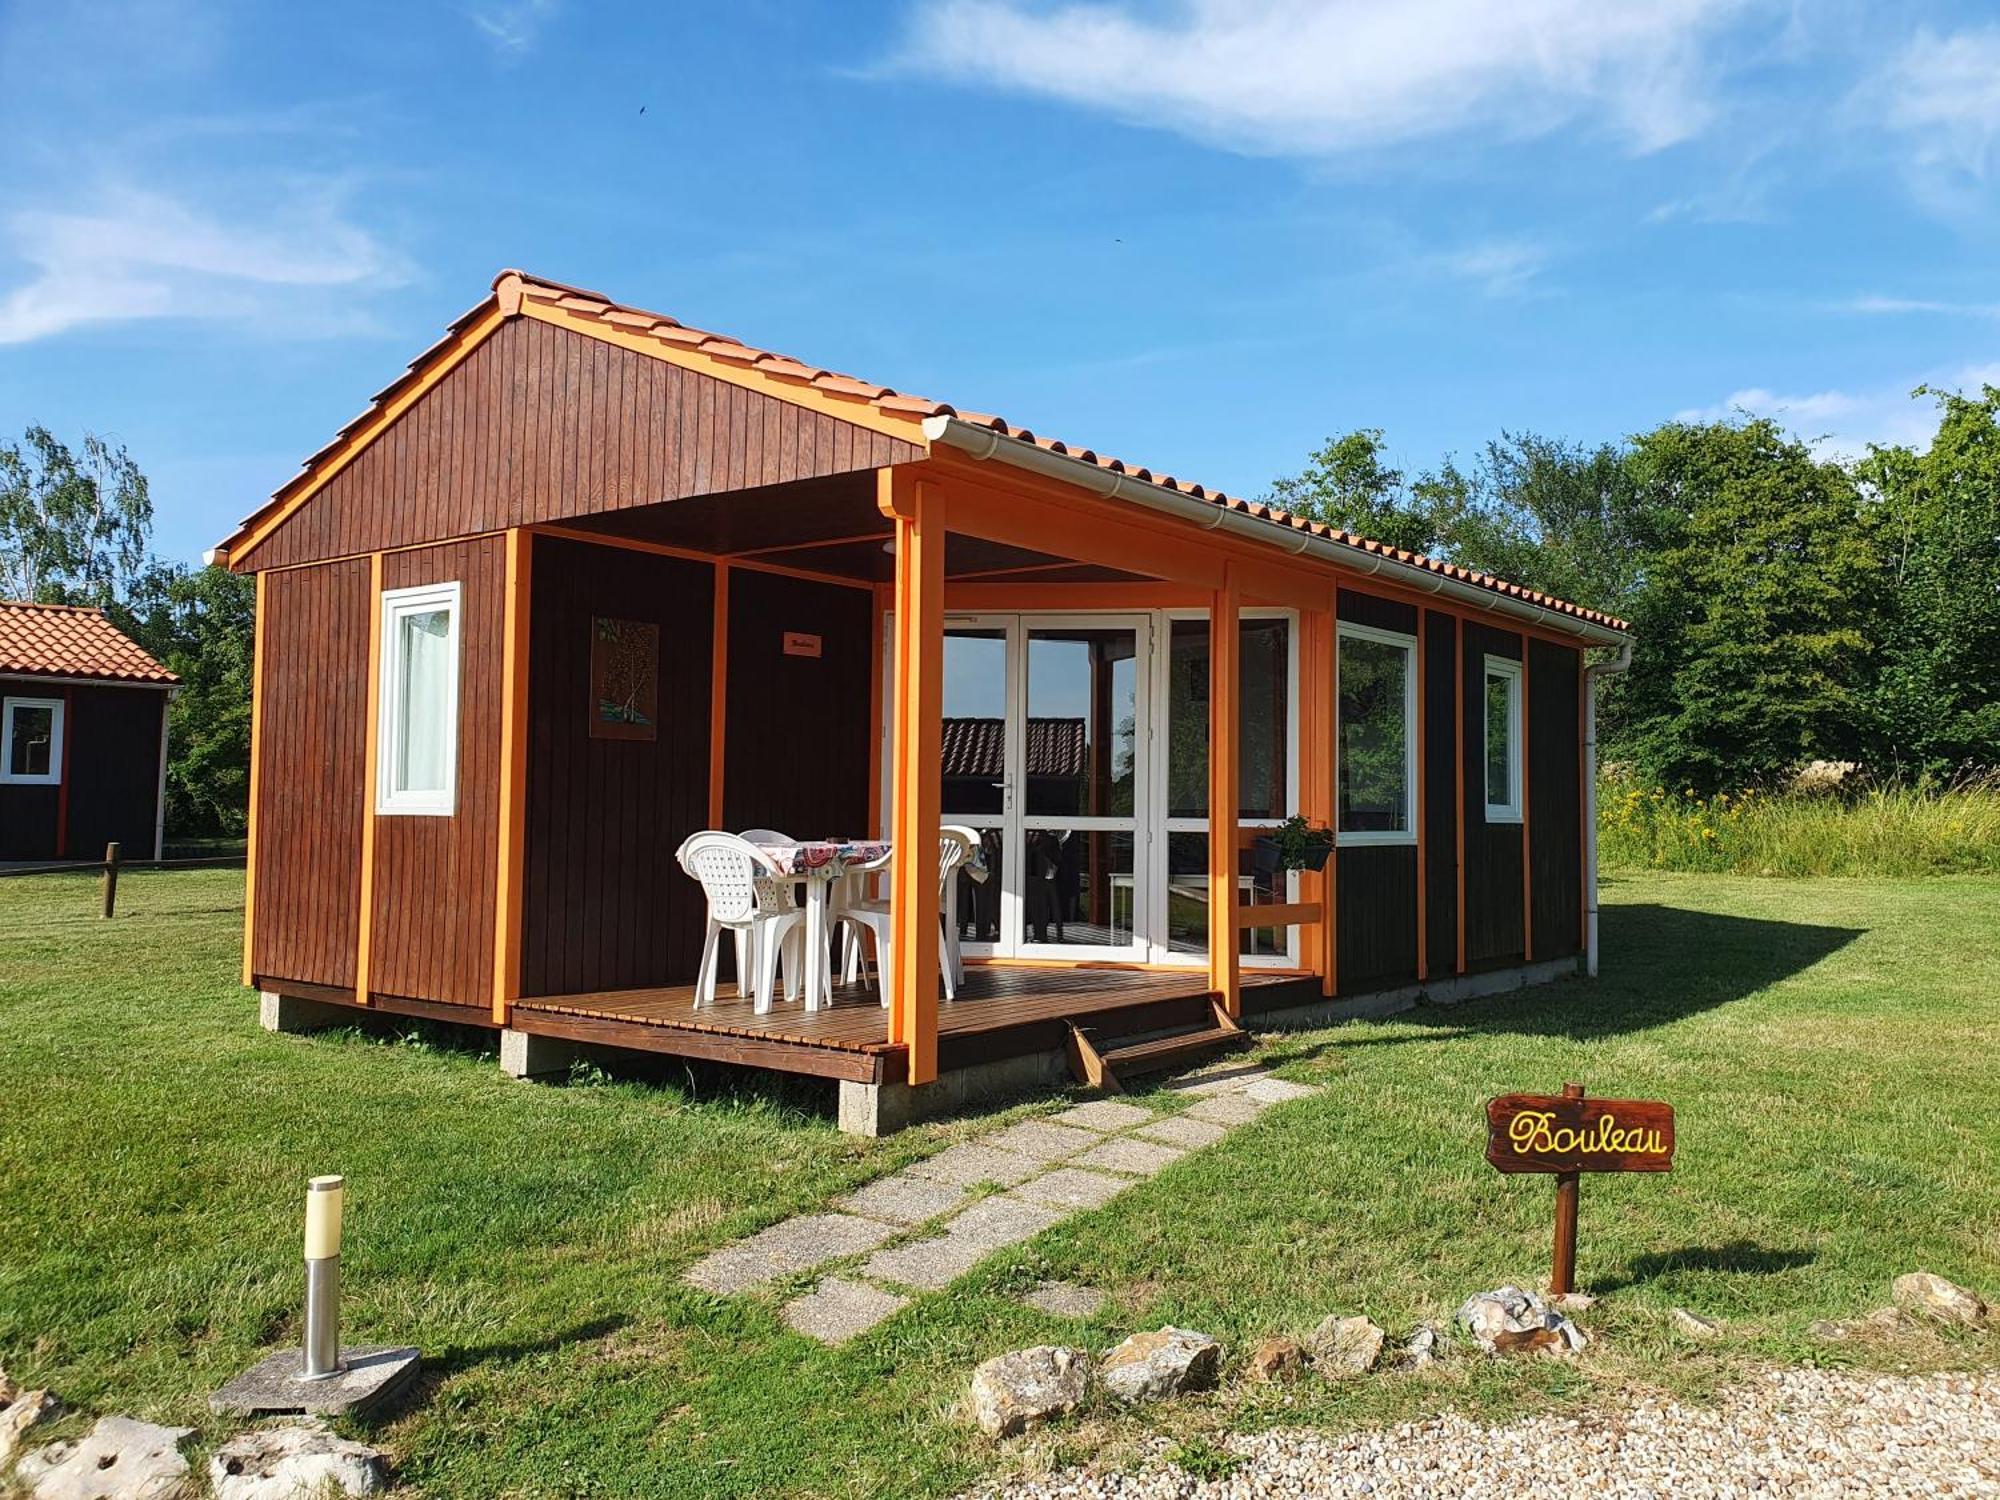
x: 31, y: 741
x: 416, y: 749
x: 1377, y: 734
x: 1502, y: 709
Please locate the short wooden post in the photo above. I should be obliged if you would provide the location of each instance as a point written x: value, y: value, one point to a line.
x: 110, y: 879
x: 1569, y: 1185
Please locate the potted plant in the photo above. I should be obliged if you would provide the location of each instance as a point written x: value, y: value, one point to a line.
x: 1296, y: 844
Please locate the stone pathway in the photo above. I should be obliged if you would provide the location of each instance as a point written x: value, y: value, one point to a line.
x: 926, y: 1226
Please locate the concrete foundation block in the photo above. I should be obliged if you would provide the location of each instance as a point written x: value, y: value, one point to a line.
x: 276, y: 1012
x: 525, y: 1055
x: 884, y: 1108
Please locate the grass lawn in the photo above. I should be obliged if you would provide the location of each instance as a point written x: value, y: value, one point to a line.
x: 1831, y: 1047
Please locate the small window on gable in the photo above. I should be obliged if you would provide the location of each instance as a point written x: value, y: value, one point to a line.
x: 31, y: 739
x: 1503, y: 740
x: 416, y: 750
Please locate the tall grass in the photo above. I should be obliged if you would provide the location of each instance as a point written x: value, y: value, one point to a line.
x: 1885, y: 831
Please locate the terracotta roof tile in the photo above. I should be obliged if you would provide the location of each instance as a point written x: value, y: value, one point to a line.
x: 66, y: 640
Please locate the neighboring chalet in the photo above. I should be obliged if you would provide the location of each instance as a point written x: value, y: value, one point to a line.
x: 83, y: 736
x: 848, y: 612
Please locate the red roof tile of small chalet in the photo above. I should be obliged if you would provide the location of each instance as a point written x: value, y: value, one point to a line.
x: 511, y: 287
x: 68, y: 640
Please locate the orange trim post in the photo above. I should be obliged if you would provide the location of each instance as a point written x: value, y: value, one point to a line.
x: 1224, y: 691
x: 513, y: 774
x: 1316, y: 773
x: 918, y: 509
x: 256, y: 748
x: 1458, y: 746
x: 1423, y: 825
x: 365, y: 926
x: 718, y: 694
x: 1527, y: 868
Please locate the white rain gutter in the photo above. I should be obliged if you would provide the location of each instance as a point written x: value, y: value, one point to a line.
x: 984, y: 443
x: 1590, y: 675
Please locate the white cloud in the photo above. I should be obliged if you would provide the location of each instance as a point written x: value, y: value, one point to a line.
x: 1318, y: 77
x: 1500, y: 268
x: 1844, y: 423
x: 515, y: 27
x: 1899, y: 306
x: 1943, y: 94
x: 134, y: 254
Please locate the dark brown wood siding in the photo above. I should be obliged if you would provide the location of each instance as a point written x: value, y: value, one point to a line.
x: 605, y: 906
x: 311, y: 742
x: 114, y: 769
x: 432, y: 926
x: 797, y: 752
x: 1555, y: 810
x: 1493, y: 930
x: 1441, y: 791
x: 1378, y: 917
x: 542, y: 424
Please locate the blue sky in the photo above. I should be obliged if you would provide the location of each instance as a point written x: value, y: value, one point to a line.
x: 1202, y: 236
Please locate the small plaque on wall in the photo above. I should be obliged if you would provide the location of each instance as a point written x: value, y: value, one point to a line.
x: 624, y: 679
x: 798, y: 643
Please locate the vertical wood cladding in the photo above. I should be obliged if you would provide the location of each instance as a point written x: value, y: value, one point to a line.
x: 432, y: 927
x: 1555, y: 811
x: 311, y: 742
x: 1377, y: 922
x: 1440, y: 791
x: 114, y: 769
x: 541, y: 424
x: 604, y: 904
x: 797, y: 752
x: 1493, y: 931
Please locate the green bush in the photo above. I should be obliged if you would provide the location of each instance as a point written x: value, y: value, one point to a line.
x: 1883, y: 831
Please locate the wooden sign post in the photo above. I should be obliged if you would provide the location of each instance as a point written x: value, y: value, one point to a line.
x: 1568, y: 1135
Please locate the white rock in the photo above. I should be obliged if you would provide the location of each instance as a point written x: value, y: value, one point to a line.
x: 19, y: 1412
x: 1167, y: 1362
x: 1013, y: 1392
x: 1695, y: 1326
x: 1345, y: 1346
x: 1511, y: 1321
x: 298, y: 1461
x: 1947, y: 1301
x: 119, y: 1459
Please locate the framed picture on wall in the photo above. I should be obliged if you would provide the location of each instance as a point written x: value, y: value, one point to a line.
x: 624, y: 679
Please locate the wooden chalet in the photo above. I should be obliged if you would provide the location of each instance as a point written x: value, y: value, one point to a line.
x: 812, y: 583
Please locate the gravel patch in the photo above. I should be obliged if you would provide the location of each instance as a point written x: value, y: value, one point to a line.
x: 1795, y: 1434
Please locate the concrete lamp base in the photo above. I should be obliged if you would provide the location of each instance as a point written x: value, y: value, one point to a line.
x: 272, y: 1385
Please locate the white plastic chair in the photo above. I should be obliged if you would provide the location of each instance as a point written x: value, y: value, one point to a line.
x: 858, y: 916
x: 743, y: 896
x: 955, y: 847
x: 743, y: 960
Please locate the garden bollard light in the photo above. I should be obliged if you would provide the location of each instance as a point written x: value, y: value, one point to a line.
x: 322, y: 1338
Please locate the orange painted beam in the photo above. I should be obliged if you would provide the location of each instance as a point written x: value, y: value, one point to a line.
x: 662, y: 549
x: 718, y: 695
x: 512, y: 832
x: 1073, y: 525
x: 979, y: 597
x: 1224, y: 729
x: 918, y: 507
x: 365, y: 932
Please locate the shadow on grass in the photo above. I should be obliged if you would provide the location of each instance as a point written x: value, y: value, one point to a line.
x: 1737, y: 1258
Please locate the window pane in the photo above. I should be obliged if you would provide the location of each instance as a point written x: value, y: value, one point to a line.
x: 1082, y: 722
x: 979, y: 900
x: 1259, y: 882
x: 1079, y: 888
x: 34, y: 736
x: 1499, y: 740
x: 1374, y: 737
x: 424, y: 641
x: 1264, y: 716
x: 974, y: 763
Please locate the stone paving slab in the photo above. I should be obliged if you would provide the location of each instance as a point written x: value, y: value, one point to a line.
x: 903, y: 1199
x: 1104, y: 1114
x: 837, y: 1310
x: 1179, y: 1130
x: 794, y: 1245
x: 1138, y: 1158
x: 927, y: 1264
x: 1043, y: 1140
x: 1234, y: 1108
x: 1001, y: 1220
x: 1071, y: 1189
x: 974, y: 1162
x: 1064, y: 1299
x: 1277, y: 1090
x: 1226, y: 1081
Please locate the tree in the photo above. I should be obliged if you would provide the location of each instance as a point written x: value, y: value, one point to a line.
x: 71, y: 532
x: 1346, y: 484
x: 1935, y: 703
x: 201, y: 625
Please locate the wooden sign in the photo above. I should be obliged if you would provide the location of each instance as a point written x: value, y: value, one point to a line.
x: 1568, y: 1135
x: 1556, y: 1133
x: 798, y: 643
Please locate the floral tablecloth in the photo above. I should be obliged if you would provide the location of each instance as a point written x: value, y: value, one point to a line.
x: 824, y: 858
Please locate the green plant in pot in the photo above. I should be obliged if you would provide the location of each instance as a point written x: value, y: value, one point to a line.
x: 1297, y: 844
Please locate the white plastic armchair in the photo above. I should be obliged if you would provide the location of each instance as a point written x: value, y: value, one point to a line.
x: 746, y: 897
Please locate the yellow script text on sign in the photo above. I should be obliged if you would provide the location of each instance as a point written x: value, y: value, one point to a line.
x: 1536, y: 1131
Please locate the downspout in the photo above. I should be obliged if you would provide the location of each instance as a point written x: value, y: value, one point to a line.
x: 1590, y: 675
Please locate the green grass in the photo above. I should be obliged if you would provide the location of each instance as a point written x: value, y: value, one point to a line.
x: 1887, y: 831
x: 1830, y: 1046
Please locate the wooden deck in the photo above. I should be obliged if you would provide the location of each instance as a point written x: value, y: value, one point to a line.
x: 1000, y: 1012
